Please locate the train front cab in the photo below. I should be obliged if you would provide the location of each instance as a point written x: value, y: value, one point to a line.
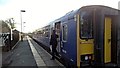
x: 106, y: 45
x: 98, y: 34
x: 85, y: 38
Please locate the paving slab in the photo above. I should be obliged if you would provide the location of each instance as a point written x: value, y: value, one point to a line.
x: 22, y: 56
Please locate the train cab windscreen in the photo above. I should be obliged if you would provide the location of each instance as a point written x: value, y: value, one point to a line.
x: 86, y: 25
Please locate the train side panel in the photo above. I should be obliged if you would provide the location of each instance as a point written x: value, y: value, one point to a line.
x: 69, y: 42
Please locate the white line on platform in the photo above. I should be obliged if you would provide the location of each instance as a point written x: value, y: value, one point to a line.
x: 55, y: 60
x: 15, y: 45
x: 50, y: 55
x: 37, y: 57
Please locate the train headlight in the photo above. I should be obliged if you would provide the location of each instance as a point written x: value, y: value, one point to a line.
x: 86, y: 57
x: 90, y: 57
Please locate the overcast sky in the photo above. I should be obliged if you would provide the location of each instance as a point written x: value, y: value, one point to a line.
x: 41, y: 12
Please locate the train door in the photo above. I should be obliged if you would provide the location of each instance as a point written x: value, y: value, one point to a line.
x: 110, y: 40
x: 58, y: 28
x: 107, y: 40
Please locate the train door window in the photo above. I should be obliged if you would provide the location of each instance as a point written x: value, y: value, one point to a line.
x: 64, y: 31
x: 86, y: 25
x: 57, y: 27
x: 47, y: 31
x: 46, y: 34
x: 51, y: 30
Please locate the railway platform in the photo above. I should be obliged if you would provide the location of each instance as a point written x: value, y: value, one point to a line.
x: 28, y: 53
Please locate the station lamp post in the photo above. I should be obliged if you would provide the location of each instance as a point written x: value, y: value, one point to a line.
x: 21, y: 22
x: 24, y: 26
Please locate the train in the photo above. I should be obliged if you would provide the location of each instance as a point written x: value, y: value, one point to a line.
x: 88, y: 36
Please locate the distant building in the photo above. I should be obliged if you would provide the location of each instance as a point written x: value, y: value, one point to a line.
x: 4, y: 31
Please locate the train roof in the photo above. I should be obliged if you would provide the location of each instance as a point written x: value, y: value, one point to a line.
x: 72, y: 13
x: 106, y: 10
x: 99, y: 6
x: 66, y: 16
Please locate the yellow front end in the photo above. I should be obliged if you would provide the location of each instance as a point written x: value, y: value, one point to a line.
x: 86, y: 52
x: 85, y: 48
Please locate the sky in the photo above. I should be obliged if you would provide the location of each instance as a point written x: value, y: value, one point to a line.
x: 41, y: 12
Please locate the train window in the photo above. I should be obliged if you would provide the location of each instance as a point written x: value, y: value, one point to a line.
x: 51, y: 30
x: 46, y: 34
x: 65, y: 32
x: 86, y: 25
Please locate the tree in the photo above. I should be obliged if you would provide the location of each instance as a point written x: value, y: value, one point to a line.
x: 4, y: 26
x: 11, y: 23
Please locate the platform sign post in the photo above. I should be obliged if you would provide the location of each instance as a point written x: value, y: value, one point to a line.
x: 21, y: 23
